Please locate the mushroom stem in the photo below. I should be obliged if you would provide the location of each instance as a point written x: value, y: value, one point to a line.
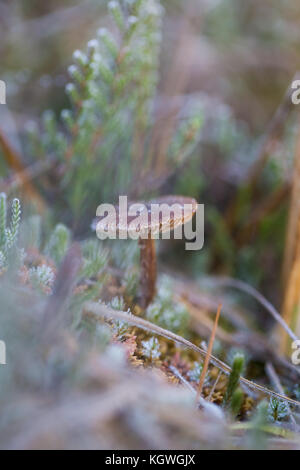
x: 148, y: 271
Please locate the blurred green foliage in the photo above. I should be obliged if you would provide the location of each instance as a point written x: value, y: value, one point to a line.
x: 112, y: 124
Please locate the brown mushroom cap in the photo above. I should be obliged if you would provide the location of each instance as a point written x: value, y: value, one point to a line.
x: 179, y: 210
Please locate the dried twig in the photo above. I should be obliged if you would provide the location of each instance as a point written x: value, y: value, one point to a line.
x: 96, y: 311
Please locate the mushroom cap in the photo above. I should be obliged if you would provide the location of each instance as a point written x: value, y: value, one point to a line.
x: 153, y: 217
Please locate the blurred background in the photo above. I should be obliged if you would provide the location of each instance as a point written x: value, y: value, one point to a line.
x: 193, y: 99
x: 236, y: 58
x: 241, y: 54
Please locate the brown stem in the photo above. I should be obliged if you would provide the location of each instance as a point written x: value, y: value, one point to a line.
x: 148, y: 271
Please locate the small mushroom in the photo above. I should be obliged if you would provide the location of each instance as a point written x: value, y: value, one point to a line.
x: 146, y: 226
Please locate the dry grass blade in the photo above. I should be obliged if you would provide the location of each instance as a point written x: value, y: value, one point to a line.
x: 291, y: 264
x: 200, y: 317
x: 294, y: 213
x: 96, y: 310
x: 208, y: 355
